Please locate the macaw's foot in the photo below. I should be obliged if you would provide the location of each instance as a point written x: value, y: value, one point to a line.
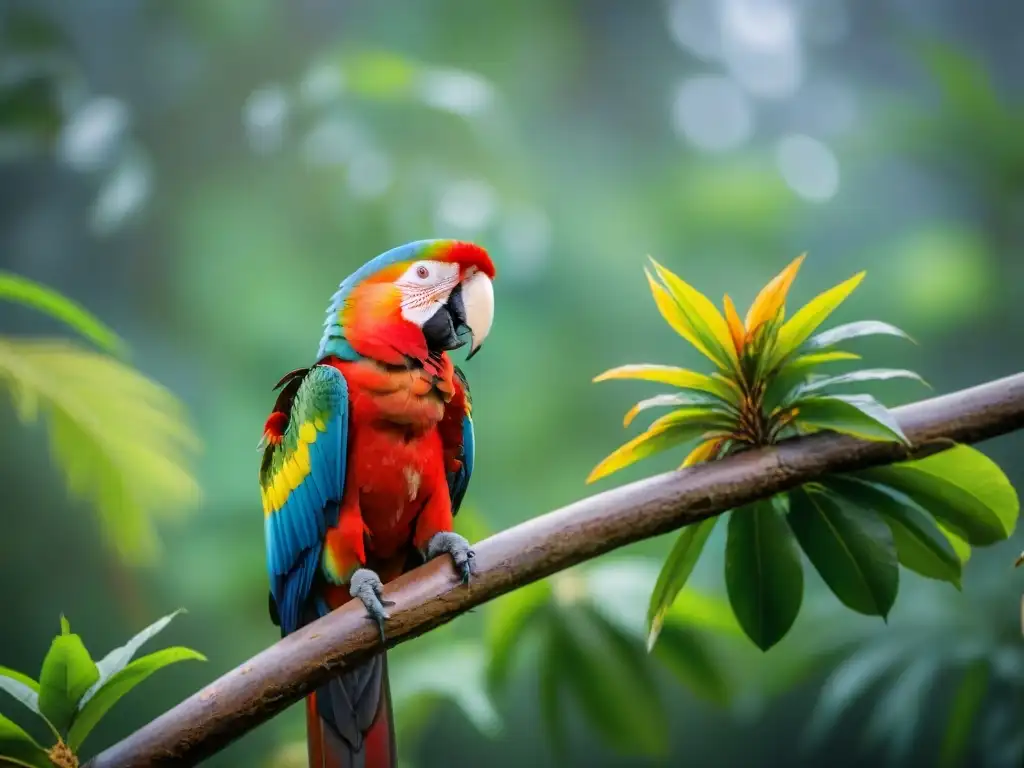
x: 457, y: 547
x: 366, y: 585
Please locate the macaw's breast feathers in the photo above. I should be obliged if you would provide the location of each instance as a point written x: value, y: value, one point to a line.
x: 302, y: 480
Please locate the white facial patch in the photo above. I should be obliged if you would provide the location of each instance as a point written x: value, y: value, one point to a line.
x: 425, y: 287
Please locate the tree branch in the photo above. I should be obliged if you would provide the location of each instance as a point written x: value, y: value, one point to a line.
x: 271, y: 681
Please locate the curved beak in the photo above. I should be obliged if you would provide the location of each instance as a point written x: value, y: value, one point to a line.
x: 478, y: 309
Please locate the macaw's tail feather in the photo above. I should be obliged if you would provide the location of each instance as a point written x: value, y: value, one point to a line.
x: 349, y: 722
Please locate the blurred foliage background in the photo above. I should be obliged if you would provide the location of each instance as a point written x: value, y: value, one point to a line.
x: 201, y: 174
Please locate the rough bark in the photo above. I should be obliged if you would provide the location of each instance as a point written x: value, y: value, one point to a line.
x: 269, y: 682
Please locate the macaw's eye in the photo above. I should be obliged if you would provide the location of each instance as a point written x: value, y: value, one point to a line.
x: 422, y: 272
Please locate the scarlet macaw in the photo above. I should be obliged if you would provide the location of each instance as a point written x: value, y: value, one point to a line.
x: 366, y: 458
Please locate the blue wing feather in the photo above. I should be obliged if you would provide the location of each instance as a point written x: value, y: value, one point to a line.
x: 458, y: 482
x: 295, y: 530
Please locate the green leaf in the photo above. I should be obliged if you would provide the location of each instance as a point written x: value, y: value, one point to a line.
x: 688, y: 656
x: 967, y: 701
x: 552, y: 710
x: 962, y: 488
x: 68, y: 672
x: 920, y: 545
x: 763, y: 573
x: 961, y: 547
x: 18, y: 748
x: 858, y: 415
x: 20, y: 686
x: 608, y: 676
x: 809, y: 317
x: 675, y: 572
x: 851, y: 548
x: 508, y: 619
x: 692, y: 609
x: 849, y: 331
x: 118, y: 658
x: 854, y: 377
x: 120, y: 684
x: 120, y: 438
x: 46, y: 300
x: 428, y: 676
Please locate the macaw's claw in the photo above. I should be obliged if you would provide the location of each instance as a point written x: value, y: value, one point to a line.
x: 456, y: 546
x: 366, y: 586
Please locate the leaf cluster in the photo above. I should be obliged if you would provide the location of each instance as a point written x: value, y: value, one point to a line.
x: 855, y: 529
x: 73, y: 693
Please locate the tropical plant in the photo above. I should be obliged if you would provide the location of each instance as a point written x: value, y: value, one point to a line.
x: 953, y: 658
x: 120, y: 438
x: 854, y: 528
x: 73, y: 693
x: 588, y: 634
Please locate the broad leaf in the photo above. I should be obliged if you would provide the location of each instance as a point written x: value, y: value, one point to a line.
x: 118, y: 658
x: 961, y: 547
x: 665, y: 433
x: 428, y: 676
x: 20, y: 686
x: 696, y: 400
x: 763, y: 573
x: 120, y: 684
x: 920, y: 545
x: 609, y: 677
x: 68, y: 672
x: 855, y: 377
x: 703, y: 317
x: 675, y: 572
x: 967, y: 701
x: 848, y: 331
x: 858, y: 415
x: 895, y: 716
x: 508, y: 620
x: 962, y: 488
x: 688, y: 656
x: 119, y: 438
x: 852, y: 549
x: 807, y: 319
x: 552, y: 707
x: 18, y: 748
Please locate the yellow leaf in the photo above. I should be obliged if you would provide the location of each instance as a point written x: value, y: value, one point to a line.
x: 703, y: 317
x: 818, y: 358
x: 772, y: 297
x: 674, y: 316
x: 703, y: 452
x: 799, y: 327
x: 650, y: 442
x: 732, y: 318
x: 663, y: 374
x: 668, y: 431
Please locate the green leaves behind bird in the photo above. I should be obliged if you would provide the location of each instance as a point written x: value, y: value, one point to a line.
x: 121, y: 439
x: 587, y: 626
x: 73, y: 692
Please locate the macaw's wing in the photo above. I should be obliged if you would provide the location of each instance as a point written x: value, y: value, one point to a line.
x: 302, y: 481
x: 460, y: 439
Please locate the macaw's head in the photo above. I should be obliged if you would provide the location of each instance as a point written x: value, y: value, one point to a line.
x: 420, y: 299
